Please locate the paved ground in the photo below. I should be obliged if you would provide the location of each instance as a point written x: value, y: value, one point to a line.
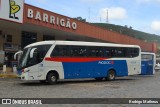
x: 124, y: 87
x: 7, y: 74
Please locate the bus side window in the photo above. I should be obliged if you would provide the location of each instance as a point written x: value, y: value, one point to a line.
x: 72, y: 51
x: 136, y: 52
x: 146, y: 57
x: 125, y: 50
x: 91, y: 52
x: 55, y: 51
x: 63, y: 51
x: 95, y: 51
x: 133, y: 52
x: 107, y: 52
x: 117, y: 52
x: 83, y: 51
x: 120, y: 52
x: 129, y: 53
x: 77, y: 51
x: 113, y: 52
x: 60, y: 51
x: 100, y: 52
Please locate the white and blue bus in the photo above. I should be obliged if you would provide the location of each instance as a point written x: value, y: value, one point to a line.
x: 148, y: 63
x: 54, y: 60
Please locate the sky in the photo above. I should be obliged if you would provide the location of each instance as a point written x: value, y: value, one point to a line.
x: 142, y: 15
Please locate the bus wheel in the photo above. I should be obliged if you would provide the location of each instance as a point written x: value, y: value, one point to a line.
x: 111, y: 75
x: 98, y: 79
x: 52, y: 78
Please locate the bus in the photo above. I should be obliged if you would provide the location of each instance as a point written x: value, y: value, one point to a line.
x: 148, y: 63
x: 49, y: 61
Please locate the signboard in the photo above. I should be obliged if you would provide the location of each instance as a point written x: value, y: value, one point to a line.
x: 51, y: 18
x: 12, y: 10
x: 11, y: 47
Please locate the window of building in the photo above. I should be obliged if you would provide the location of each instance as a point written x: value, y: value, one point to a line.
x: 48, y: 37
x: 9, y: 38
x: 0, y: 32
x: 28, y: 38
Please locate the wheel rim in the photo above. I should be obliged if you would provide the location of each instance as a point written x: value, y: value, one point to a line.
x: 53, y: 78
x: 111, y: 75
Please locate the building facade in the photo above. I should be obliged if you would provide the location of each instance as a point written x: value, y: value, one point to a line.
x: 22, y: 24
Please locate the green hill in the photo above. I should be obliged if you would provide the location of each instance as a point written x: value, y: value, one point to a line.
x: 131, y: 32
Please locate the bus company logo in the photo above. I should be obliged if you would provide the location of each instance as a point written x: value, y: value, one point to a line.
x: 6, y: 101
x: 106, y: 62
x: 14, y: 8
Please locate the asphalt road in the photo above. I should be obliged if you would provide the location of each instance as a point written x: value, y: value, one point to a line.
x: 137, y: 86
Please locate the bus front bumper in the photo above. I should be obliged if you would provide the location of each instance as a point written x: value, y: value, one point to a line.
x: 24, y: 76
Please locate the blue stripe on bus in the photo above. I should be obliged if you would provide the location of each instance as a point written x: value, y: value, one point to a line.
x: 94, y: 69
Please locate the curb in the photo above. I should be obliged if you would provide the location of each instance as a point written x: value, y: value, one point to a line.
x: 8, y: 76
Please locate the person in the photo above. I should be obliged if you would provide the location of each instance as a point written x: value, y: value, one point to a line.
x: 6, y: 60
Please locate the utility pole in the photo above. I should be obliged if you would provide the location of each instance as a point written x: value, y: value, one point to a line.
x: 106, y: 15
x: 89, y: 11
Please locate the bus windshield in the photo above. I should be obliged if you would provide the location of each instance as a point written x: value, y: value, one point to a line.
x: 38, y: 56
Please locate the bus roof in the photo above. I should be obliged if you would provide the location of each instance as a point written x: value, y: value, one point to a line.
x: 80, y: 43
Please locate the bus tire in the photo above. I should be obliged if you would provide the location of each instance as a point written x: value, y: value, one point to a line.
x: 99, y: 79
x: 111, y: 75
x: 52, y: 78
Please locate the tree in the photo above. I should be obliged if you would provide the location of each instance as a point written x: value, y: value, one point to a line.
x: 80, y: 19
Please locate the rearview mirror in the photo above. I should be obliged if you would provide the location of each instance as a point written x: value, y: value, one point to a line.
x: 32, y: 52
x: 15, y: 55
